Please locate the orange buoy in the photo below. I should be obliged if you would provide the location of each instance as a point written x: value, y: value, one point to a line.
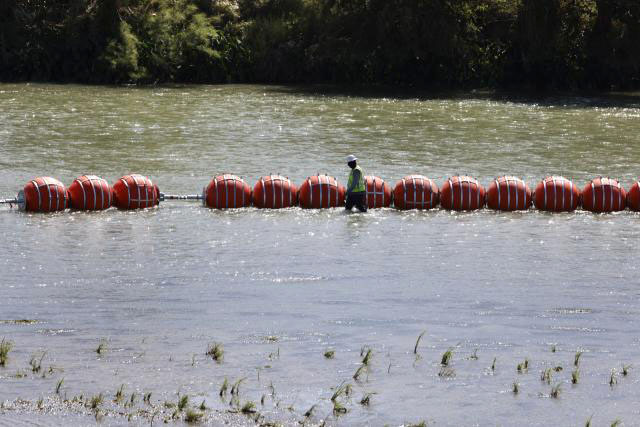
x: 556, y: 194
x: 90, y: 193
x: 415, y: 192
x: 508, y: 193
x: 321, y: 191
x: 135, y: 192
x: 604, y: 195
x: 378, y: 192
x: 274, y: 192
x: 462, y: 193
x: 227, y: 192
x: 44, y: 194
x: 633, y: 197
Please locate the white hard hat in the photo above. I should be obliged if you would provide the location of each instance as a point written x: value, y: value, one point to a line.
x: 351, y: 158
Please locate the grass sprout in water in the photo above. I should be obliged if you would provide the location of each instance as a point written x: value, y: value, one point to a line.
x: 59, y: 385
x: 193, y: 416
x: 415, y: 348
x: 613, y: 380
x: 102, y: 347
x: 309, y: 412
x: 235, y: 388
x: 523, y: 367
x: 446, y: 357
x: 338, y: 408
x: 576, y: 358
x: 5, y: 348
x: 183, y: 402
x: 338, y: 391
x: 625, y: 370
x: 224, y: 387
x: 366, y: 399
x: 367, y: 357
x: 96, y: 401
x: 119, y: 394
x: 575, y: 376
x: 36, y: 363
x: 329, y: 354
x: 359, y: 371
x: 215, y: 351
x: 555, y: 391
x: 248, y: 408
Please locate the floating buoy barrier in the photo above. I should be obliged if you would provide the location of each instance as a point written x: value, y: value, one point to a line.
x: 43, y: 194
x: 378, y: 192
x: 135, y: 192
x: 633, y: 197
x: 556, y: 194
x: 227, y: 192
x: 508, y: 193
x: 90, y: 193
x: 462, y: 193
x: 505, y: 193
x: 275, y: 192
x: 604, y: 195
x: 321, y: 191
x: 415, y: 192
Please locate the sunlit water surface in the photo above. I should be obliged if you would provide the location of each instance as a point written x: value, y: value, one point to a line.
x: 279, y: 288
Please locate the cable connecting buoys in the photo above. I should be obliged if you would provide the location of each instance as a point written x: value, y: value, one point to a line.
x: 604, y: 195
x: 321, y: 191
x: 274, y: 192
x: 505, y: 193
x: 508, y: 193
x: 90, y: 193
x: 633, y: 197
x: 135, y: 192
x: 556, y: 194
x: 43, y: 194
x: 227, y: 192
x: 416, y: 192
x: 462, y: 193
x: 378, y: 192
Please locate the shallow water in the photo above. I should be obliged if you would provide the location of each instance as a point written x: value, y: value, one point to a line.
x: 279, y: 288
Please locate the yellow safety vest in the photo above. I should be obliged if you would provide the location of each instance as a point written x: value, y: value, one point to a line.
x: 359, y: 188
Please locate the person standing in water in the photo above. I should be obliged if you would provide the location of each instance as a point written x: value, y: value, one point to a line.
x: 356, y: 191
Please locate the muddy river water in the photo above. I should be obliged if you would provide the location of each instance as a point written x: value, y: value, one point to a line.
x: 278, y: 289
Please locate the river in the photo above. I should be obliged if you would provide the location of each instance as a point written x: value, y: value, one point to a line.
x: 279, y: 288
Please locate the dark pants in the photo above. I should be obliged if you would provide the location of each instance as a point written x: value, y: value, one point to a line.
x: 359, y: 200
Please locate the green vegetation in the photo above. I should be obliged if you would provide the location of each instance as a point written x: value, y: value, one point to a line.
x: 192, y: 416
x: 215, y: 351
x: 415, y: 348
x: 446, y: 357
x: 575, y: 376
x: 5, y: 348
x: 533, y: 44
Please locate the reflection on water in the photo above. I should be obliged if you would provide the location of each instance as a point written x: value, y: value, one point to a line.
x: 279, y: 288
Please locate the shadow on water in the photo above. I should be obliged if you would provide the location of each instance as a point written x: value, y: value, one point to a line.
x: 545, y: 99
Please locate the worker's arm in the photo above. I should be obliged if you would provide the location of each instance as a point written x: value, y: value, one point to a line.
x: 354, y: 181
